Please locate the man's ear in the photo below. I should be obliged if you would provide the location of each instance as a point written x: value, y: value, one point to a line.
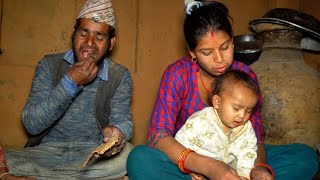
x: 112, y: 43
x: 215, y: 101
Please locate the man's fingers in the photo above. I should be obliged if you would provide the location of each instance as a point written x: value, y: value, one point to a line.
x: 107, y: 134
x: 84, y: 71
x: 94, y: 71
x: 116, y: 149
x: 88, y: 62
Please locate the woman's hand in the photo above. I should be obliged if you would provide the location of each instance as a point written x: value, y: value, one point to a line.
x: 261, y: 173
x: 223, y: 171
x: 214, y: 170
x: 226, y: 173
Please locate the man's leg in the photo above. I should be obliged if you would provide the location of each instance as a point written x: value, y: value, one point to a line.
x: 36, y: 161
x: 111, y: 168
x: 293, y: 161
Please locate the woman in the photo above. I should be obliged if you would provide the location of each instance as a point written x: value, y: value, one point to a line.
x: 185, y: 88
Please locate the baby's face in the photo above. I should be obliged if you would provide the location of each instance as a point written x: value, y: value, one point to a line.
x: 235, y: 106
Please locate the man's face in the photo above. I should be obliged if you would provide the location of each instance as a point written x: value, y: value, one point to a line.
x: 91, y: 40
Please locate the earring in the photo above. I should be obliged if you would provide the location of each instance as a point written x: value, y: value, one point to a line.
x: 194, y: 59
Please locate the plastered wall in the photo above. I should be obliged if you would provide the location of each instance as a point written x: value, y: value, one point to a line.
x: 149, y: 37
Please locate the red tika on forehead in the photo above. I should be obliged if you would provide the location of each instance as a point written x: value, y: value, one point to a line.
x: 212, y: 34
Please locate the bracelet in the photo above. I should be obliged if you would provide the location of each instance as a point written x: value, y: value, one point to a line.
x: 181, y: 160
x: 4, y: 174
x: 262, y: 165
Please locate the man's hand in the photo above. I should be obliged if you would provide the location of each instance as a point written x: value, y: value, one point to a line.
x: 110, y: 131
x: 84, y: 71
x: 261, y: 173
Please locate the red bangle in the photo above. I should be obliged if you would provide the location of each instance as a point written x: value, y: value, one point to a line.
x: 262, y: 165
x: 181, y: 160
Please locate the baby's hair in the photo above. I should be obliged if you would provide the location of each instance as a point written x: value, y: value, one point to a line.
x: 225, y: 81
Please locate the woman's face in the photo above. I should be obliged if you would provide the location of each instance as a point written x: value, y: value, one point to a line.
x: 214, y: 52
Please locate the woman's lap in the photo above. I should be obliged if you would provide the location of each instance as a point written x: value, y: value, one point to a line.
x: 148, y: 163
x: 293, y: 161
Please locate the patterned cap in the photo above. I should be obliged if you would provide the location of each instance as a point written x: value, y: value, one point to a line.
x: 100, y: 11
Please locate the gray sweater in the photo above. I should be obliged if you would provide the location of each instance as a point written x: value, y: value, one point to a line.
x: 73, y: 118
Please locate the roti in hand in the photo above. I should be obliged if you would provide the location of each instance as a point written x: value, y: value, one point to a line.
x: 104, y: 147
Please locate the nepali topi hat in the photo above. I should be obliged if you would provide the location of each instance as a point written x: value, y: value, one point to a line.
x: 100, y: 11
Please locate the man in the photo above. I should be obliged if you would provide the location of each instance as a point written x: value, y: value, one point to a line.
x: 78, y: 100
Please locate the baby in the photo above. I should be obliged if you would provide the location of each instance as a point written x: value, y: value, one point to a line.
x: 224, y: 131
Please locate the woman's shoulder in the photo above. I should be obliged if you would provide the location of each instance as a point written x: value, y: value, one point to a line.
x: 183, y: 62
x: 237, y: 65
x: 182, y: 65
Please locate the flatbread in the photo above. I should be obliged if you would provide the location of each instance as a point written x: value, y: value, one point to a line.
x: 95, y: 154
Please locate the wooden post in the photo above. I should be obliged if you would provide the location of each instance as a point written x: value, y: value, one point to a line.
x: 1, y: 2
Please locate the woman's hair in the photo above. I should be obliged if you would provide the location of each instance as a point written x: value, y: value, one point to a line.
x: 225, y: 81
x: 205, y: 17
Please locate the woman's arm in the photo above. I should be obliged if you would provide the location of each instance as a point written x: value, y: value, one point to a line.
x: 261, y: 172
x: 213, y: 169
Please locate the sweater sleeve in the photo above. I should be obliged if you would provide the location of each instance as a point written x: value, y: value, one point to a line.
x: 46, y: 102
x: 120, y: 115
